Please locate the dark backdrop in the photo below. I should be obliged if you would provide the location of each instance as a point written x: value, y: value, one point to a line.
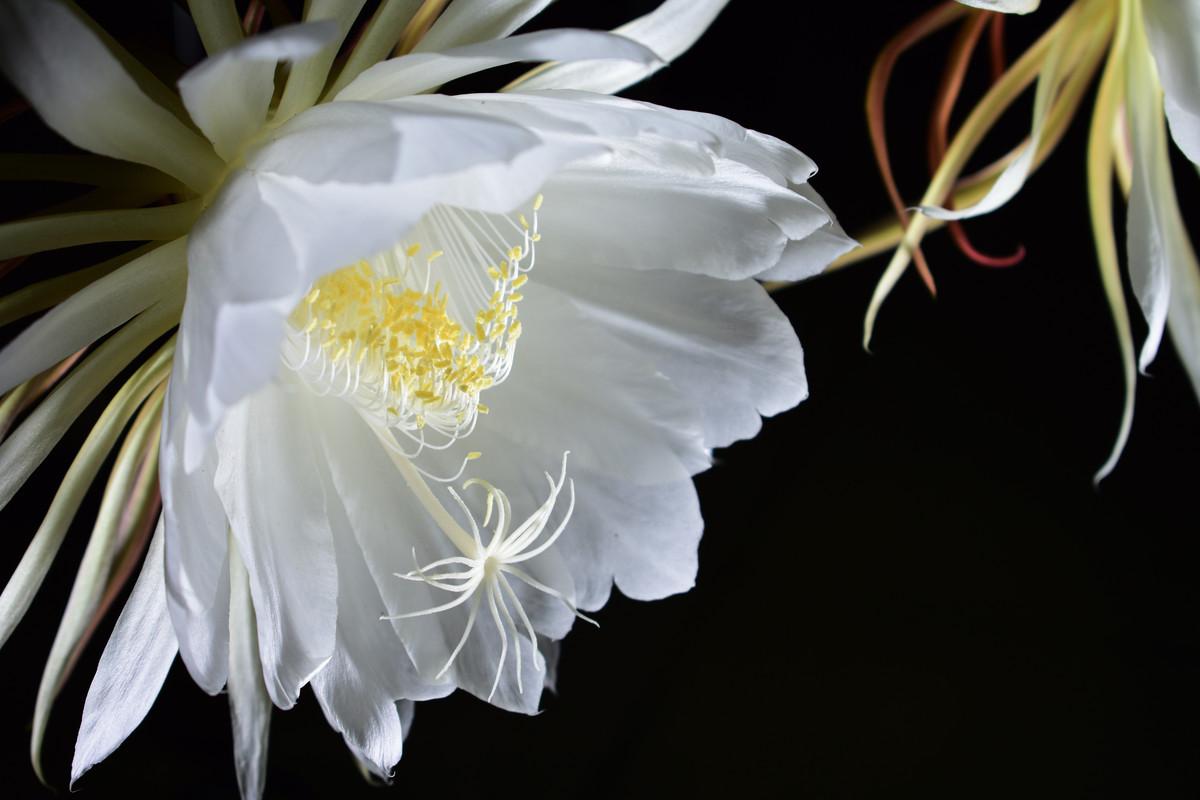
x: 909, y: 585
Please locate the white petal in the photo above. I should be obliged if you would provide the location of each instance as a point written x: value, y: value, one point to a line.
x: 197, y: 551
x: 475, y: 668
x: 229, y: 94
x: 1183, y: 317
x: 575, y: 386
x: 678, y: 190
x: 1173, y: 27
x: 82, y: 92
x: 628, y: 211
x: 278, y: 512
x: 407, y: 710
x: 370, y: 669
x: 1006, y: 6
x: 1157, y: 238
x: 334, y: 187
x: 420, y: 72
x: 552, y: 652
x: 93, y: 311
x: 392, y: 529
x: 724, y: 344
x: 249, y: 703
x: 389, y: 524
x: 668, y: 30
x: 132, y: 667
x: 366, y: 718
x: 804, y: 258
x: 643, y: 538
x: 470, y: 21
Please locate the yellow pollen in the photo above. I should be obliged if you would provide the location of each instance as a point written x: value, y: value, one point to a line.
x: 387, y: 335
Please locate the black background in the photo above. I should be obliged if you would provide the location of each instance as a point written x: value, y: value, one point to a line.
x: 909, y: 585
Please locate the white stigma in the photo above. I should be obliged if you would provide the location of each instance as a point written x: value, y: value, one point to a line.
x: 484, y: 570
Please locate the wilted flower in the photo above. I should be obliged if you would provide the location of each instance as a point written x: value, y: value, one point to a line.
x: 1145, y: 52
x: 386, y: 289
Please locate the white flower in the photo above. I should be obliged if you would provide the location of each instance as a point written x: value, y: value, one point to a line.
x: 379, y: 299
x: 1148, y: 54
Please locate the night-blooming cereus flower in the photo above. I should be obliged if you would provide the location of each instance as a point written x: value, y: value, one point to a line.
x: 1147, y: 54
x: 387, y: 290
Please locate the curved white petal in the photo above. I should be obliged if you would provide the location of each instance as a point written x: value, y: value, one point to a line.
x: 575, y: 386
x: 1005, y: 6
x: 388, y: 524
x: 80, y: 89
x: 677, y: 190
x: 470, y: 21
x: 552, y: 652
x: 279, y: 516
x: 804, y: 258
x: 724, y: 344
x: 338, y: 184
x: 658, y: 212
x: 475, y: 667
x: 93, y: 311
x: 1183, y: 317
x: 668, y: 30
x: 249, y: 703
x: 132, y: 667
x: 370, y: 669
x: 396, y: 534
x: 228, y: 95
x: 642, y: 538
x: 420, y: 72
x: 1173, y: 28
x: 1157, y: 238
x: 196, y: 549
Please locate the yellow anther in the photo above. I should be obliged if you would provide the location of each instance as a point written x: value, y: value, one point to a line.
x: 474, y: 454
x: 537, y: 202
x: 419, y: 361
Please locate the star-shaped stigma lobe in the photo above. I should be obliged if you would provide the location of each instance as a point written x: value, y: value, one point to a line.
x: 483, y: 571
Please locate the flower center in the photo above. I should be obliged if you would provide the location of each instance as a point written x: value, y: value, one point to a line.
x: 414, y: 335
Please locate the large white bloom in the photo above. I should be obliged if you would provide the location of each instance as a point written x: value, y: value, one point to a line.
x: 386, y: 290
